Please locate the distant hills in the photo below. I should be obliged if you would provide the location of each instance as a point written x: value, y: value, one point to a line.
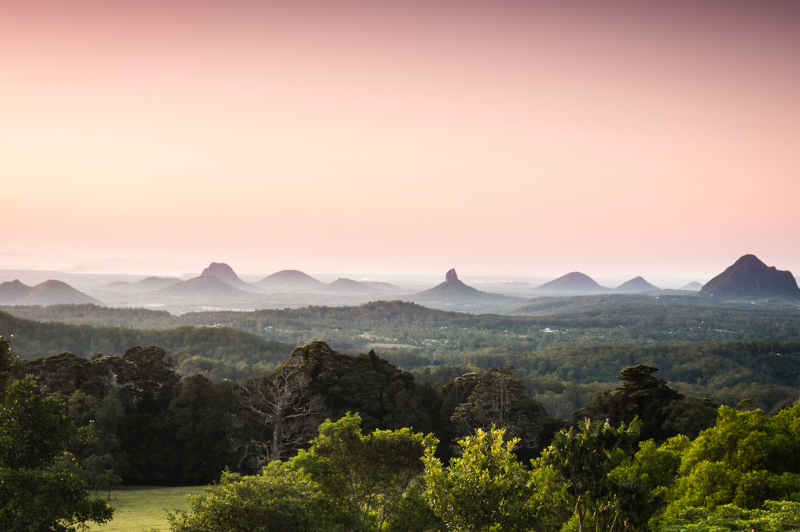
x: 452, y: 289
x: 225, y: 273
x: 379, y: 285
x: 204, y: 287
x: 637, y: 285
x: 453, y: 294
x: 290, y: 280
x: 219, y: 287
x: 573, y: 283
x: 50, y: 292
x: 12, y: 291
x: 749, y: 277
x: 148, y: 283
x: 349, y: 286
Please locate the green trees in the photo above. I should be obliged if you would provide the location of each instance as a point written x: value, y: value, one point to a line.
x: 776, y: 516
x: 279, y: 499
x: 346, y: 481
x: 279, y: 414
x: 745, y: 459
x: 663, y: 412
x: 585, y: 459
x: 365, y: 477
x: 498, y: 399
x: 485, y: 489
x: 36, y: 494
x: 385, y: 397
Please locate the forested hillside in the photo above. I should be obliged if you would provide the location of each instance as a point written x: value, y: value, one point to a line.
x: 396, y: 324
x: 218, y: 352
x: 560, y: 375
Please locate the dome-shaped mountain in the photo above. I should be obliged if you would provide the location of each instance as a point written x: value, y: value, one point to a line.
x: 637, y: 285
x: 12, y: 291
x: 290, y: 280
x: 349, y: 286
x: 148, y: 283
x: 749, y: 277
x: 225, y: 273
x: 382, y: 286
x: 694, y: 286
x: 573, y: 283
x: 54, y: 292
x: 204, y: 287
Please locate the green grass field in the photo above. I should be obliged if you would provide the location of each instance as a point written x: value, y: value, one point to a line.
x: 140, y: 508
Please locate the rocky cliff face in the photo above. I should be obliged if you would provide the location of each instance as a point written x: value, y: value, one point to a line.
x: 450, y: 276
x: 749, y: 277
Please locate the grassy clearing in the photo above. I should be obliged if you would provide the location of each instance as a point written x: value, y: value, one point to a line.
x: 140, y: 508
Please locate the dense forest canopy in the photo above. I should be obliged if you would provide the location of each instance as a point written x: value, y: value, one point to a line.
x: 560, y: 373
x: 396, y: 324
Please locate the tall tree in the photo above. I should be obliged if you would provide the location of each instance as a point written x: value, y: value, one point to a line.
x: 36, y: 493
x: 584, y: 458
x: 498, y: 399
x: 366, y: 476
x: 483, y: 490
x: 663, y: 412
x: 281, y: 415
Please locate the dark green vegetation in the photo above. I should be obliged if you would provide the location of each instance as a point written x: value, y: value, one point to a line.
x: 494, y: 458
x: 38, y: 491
x: 740, y: 474
x: 562, y: 376
x: 217, y: 352
x: 581, y: 320
x: 494, y: 391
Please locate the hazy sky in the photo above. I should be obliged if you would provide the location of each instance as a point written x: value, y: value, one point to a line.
x: 527, y: 138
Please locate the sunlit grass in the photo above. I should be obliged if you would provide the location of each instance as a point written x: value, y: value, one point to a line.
x: 141, y: 508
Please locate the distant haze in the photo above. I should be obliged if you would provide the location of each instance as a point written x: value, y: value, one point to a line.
x: 508, y: 138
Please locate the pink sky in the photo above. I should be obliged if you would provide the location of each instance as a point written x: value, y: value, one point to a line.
x: 504, y: 137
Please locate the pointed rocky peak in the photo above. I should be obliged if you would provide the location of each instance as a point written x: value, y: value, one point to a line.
x: 451, y: 276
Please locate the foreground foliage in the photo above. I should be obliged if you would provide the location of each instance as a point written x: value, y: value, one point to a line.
x: 484, y: 489
x: 279, y: 499
x: 36, y: 492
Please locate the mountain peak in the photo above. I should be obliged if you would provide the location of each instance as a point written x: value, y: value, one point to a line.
x: 220, y: 270
x: 750, y: 277
x: 290, y: 280
x: 451, y: 276
x: 636, y: 285
x: 225, y: 273
x: 573, y: 283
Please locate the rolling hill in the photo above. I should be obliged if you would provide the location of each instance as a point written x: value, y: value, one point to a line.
x: 290, y: 280
x: 574, y: 283
x: 12, y: 291
x: 637, y: 285
x: 54, y: 292
x: 204, y: 287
